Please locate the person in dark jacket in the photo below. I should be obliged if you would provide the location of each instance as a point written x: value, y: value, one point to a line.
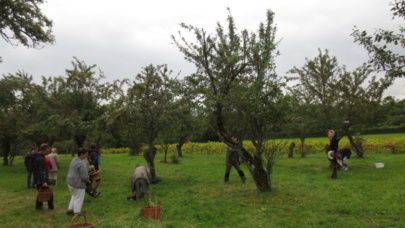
x: 29, y: 165
x: 342, y: 157
x: 334, y: 142
x: 93, y: 159
x: 345, y: 153
x: 41, y: 174
x: 333, y: 148
x: 232, y: 159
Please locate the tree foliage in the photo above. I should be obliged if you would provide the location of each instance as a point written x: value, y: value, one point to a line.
x: 384, y: 46
x: 21, y: 21
x: 77, y: 100
x: 16, y: 105
x: 344, y: 98
x: 228, y: 61
x: 394, y: 111
x: 319, y: 77
x: 152, y: 90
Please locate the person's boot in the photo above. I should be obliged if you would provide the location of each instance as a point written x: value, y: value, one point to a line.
x: 226, y: 178
x: 242, y: 176
x: 95, y: 194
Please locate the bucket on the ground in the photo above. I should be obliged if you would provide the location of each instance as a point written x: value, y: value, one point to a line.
x: 379, y: 165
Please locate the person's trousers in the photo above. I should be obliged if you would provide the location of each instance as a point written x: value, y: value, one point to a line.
x: 76, y: 202
x: 30, y: 183
x: 53, y: 176
x: 237, y: 167
x: 39, y: 205
x: 229, y: 166
x: 141, y: 188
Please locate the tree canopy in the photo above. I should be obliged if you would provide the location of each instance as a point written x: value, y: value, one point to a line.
x: 384, y: 46
x: 22, y: 22
x: 236, y: 79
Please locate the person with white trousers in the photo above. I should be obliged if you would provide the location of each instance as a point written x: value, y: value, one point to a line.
x: 76, y: 180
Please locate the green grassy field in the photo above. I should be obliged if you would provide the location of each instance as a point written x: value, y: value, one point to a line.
x: 193, y: 194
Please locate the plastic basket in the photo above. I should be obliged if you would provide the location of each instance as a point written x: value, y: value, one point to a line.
x: 379, y: 165
x: 82, y: 225
x: 44, y: 194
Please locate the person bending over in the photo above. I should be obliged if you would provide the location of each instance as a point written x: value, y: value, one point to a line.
x: 140, y: 183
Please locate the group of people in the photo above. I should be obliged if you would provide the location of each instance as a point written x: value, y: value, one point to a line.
x: 338, y: 158
x: 39, y: 166
x: 42, y: 163
x: 51, y: 162
x: 87, y: 161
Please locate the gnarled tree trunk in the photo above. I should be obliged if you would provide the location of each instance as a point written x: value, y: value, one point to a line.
x: 180, y: 145
x: 149, y: 156
x: 7, y: 151
x: 357, y: 146
x: 254, y: 163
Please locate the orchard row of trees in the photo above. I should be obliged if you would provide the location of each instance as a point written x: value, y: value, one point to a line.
x: 234, y: 91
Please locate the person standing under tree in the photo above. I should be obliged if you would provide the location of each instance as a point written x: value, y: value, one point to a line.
x: 41, y: 174
x: 232, y: 159
x: 53, y: 174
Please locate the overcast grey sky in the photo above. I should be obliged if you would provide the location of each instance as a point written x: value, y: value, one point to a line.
x: 123, y: 36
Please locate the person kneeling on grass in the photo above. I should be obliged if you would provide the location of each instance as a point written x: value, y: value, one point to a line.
x: 140, y: 182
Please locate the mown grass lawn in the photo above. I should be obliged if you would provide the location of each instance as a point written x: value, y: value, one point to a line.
x: 193, y: 194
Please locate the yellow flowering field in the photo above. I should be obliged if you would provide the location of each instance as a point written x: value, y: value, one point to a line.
x: 392, y: 143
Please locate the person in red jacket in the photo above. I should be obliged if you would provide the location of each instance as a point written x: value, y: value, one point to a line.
x: 48, y: 164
